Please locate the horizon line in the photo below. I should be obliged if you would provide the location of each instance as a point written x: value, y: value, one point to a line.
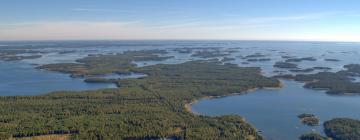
x: 275, y: 40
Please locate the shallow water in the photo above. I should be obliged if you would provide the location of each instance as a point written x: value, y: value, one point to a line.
x: 274, y: 112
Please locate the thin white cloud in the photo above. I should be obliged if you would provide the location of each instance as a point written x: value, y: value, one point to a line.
x: 100, y: 10
x: 113, y: 30
x: 181, y: 25
x: 250, y: 28
x: 291, y: 18
x: 243, y: 23
x: 284, y: 18
x: 312, y: 16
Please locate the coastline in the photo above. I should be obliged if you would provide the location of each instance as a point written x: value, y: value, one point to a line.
x: 188, y: 105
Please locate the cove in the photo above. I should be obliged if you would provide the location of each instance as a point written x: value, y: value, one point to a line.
x: 274, y: 111
x: 20, y: 78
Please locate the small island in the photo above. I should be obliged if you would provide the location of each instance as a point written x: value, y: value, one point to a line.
x: 321, y: 68
x: 331, y: 59
x: 301, y: 59
x: 309, y: 119
x: 258, y: 60
x: 287, y: 57
x: 285, y: 65
x: 302, y: 70
x: 209, y: 54
x: 18, y: 57
x: 255, y: 55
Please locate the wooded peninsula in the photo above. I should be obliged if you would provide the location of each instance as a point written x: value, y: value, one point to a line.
x: 151, y: 107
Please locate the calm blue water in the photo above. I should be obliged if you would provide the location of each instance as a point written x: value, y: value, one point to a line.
x: 18, y: 78
x: 274, y: 112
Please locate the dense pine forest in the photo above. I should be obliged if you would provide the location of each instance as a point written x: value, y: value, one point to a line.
x: 149, y: 107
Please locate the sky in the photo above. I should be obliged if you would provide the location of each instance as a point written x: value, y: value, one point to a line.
x: 320, y: 20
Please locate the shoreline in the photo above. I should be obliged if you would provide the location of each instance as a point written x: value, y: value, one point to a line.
x: 188, y: 105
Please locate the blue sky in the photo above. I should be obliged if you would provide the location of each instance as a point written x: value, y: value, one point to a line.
x: 328, y: 20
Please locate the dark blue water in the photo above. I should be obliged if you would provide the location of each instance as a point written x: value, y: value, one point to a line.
x: 274, y: 112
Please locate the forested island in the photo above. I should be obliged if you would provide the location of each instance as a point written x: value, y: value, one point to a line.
x: 301, y: 59
x: 152, y: 107
x: 18, y: 54
x: 309, y: 119
x: 106, y: 63
x: 285, y: 65
x: 337, y: 129
x: 337, y: 83
x: 343, y: 129
x: 209, y: 53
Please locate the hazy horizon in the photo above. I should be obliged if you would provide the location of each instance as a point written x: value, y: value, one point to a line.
x: 279, y: 20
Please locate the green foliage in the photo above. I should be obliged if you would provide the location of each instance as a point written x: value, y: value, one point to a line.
x: 302, y: 70
x: 309, y: 119
x: 321, y: 68
x: 353, y: 68
x: 342, y: 129
x: 7, y: 54
x: 335, y: 83
x: 209, y: 53
x: 331, y: 59
x: 312, y: 136
x: 300, y: 59
x: 105, y: 64
x: 285, y: 65
x: 151, y: 107
x: 305, y: 115
x: 99, y: 80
